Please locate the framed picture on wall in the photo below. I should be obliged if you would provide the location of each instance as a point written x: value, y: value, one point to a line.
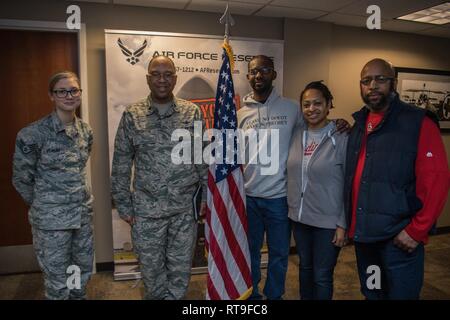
x: 428, y: 89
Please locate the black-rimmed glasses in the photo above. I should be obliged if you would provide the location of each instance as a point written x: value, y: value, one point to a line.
x: 263, y: 70
x: 378, y: 79
x: 62, y: 93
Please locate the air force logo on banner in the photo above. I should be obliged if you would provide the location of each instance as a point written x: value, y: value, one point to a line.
x: 132, y: 57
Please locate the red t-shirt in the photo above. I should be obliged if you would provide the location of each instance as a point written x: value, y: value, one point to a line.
x: 432, y: 177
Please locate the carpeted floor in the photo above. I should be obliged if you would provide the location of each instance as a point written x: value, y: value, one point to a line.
x: 346, y: 284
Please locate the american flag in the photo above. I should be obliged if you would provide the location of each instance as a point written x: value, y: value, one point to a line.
x: 229, y: 275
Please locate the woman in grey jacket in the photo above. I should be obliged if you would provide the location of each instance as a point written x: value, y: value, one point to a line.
x: 315, y: 173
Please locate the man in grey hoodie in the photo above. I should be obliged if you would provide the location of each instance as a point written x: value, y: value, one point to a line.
x: 266, y: 193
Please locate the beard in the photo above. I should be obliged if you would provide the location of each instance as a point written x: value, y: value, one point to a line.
x: 382, y: 102
x: 263, y: 88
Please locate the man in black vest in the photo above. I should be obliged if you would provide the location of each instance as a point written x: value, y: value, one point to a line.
x: 396, y: 185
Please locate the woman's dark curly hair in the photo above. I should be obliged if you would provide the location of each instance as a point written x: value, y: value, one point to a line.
x: 318, y: 85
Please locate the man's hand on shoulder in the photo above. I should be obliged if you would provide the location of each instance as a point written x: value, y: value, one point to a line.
x: 342, y: 125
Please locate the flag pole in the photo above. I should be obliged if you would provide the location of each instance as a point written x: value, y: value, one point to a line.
x: 228, y: 21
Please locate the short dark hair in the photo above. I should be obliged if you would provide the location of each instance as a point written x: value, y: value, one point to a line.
x: 318, y: 85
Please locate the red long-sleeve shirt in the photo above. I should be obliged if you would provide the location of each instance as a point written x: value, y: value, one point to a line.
x: 432, y: 177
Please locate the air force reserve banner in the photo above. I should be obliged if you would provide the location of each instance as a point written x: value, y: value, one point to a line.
x: 197, y: 59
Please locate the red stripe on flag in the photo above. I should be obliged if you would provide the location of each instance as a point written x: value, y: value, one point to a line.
x: 240, y: 209
x: 219, y: 260
x: 222, y: 214
x: 237, y: 201
x: 232, y: 243
x: 212, y: 292
x: 217, y: 256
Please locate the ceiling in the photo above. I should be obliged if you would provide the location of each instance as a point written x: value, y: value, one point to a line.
x: 340, y: 12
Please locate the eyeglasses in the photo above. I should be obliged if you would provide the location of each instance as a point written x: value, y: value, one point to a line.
x: 378, y: 79
x: 62, y: 93
x: 263, y: 70
x: 167, y: 75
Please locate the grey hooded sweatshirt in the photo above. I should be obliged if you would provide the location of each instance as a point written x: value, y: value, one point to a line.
x: 316, y: 195
x: 277, y: 113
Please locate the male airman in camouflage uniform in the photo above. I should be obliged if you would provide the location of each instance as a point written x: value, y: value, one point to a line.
x: 49, y: 172
x: 159, y: 207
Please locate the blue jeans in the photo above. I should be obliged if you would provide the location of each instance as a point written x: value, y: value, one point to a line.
x: 401, y: 272
x: 318, y: 257
x: 270, y: 216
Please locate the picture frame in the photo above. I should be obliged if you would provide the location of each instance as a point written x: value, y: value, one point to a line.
x: 428, y: 89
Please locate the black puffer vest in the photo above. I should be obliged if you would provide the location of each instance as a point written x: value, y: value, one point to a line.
x: 387, y: 195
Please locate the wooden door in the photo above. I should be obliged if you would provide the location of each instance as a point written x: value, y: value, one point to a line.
x: 27, y: 60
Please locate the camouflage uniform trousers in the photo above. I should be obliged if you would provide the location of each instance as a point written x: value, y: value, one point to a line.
x: 165, y: 247
x: 56, y: 250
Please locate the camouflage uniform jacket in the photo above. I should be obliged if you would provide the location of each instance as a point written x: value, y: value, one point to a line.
x: 49, y: 172
x: 143, y: 139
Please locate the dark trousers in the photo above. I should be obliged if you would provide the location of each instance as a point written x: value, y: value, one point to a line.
x: 401, y: 272
x: 318, y: 257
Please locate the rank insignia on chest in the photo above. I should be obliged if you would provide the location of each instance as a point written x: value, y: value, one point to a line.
x: 26, y: 149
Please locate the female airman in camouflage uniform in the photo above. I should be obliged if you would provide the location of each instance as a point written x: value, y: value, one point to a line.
x: 49, y: 172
